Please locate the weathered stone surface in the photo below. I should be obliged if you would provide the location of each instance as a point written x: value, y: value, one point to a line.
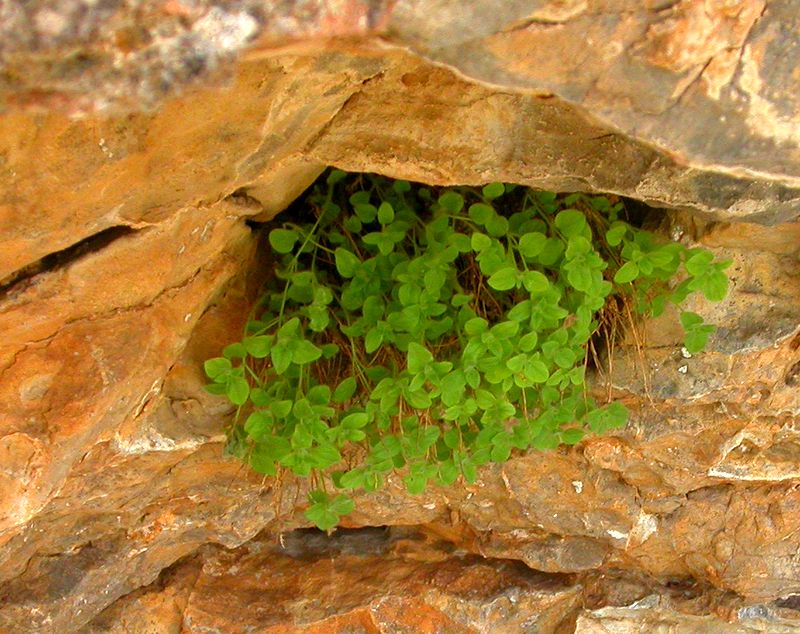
x: 404, y: 580
x: 154, y: 609
x: 127, y: 261
x: 646, y: 619
x: 131, y: 488
x: 542, y: 142
x: 83, y: 352
x: 667, y: 73
x: 365, y: 581
x: 136, y: 170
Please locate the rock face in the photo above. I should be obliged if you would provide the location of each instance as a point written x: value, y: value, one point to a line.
x: 131, y: 252
x: 399, y: 580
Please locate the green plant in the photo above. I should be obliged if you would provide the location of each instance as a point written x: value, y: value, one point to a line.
x: 436, y: 333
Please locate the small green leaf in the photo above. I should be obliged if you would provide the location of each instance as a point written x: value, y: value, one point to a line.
x: 346, y: 262
x: 580, y: 279
x: 627, y: 273
x: 288, y: 330
x: 578, y: 246
x: 385, y: 213
x: 325, y: 512
x: 497, y: 226
x: 415, y: 484
x: 532, y: 244
x: 699, y: 262
x: 258, y: 424
x: 460, y: 241
x: 353, y: 224
x: 345, y: 390
x: 571, y: 222
x: 237, y: 390
x: 517, y: 362
x: 505, y: 329
x: 262, y: 461
x: 335, y: 176
x: 448, y: 473
x: 451, y: 201
x: 476, y: 326
x: 217, y: 389
x: 281, y: 357
x: 258, y: 347
x: 352, y: 479
x: 528, y: 342
x: 493, y: 190
x: 690, y: 320
x: 564, y: 358
x: 281, y: 409
x: 469, y: 470
x: 234, y: 351
x: 373, y: 340
x: 552, y: 252
x: 365, y: 211
x: 217, y: 367
x: 480, y: 242
x: 418, y: 358
x: 535, y: 282
x: 418, y: 399
x: 305, y: 352
x: 695, y: 341
x: 572, y: 436
x: 453, y: 386
x: 481, y: 213
x: 609, y: 417
x: 616, y: 233
x: 520, y: 312
x: 715, y: 286
x: 329, y: 350
x: 536, y: 371
x: 283, y: 240
x: 503, y: 280
x: 342, y: 505
x: 260, y: 397
x: 319, y: 395
x: 355, y: 421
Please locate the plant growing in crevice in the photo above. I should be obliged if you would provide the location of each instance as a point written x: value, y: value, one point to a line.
x: 434, y: 332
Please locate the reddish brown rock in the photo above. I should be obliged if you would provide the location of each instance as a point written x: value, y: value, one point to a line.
x: 661, y: 621
x: 402, y: 580
x: 127, y: 261
x: 312, y: 584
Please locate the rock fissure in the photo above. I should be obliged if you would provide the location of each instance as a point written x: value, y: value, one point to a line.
x: 19, y: 279
x: 111, y: 467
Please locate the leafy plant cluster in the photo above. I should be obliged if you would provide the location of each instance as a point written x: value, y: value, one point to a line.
x: 434, y: 332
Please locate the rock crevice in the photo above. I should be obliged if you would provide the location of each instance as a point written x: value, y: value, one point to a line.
x: 131, y: 200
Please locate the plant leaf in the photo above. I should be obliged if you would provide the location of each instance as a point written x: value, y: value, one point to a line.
x: 283, y: 240
x: 237, y: 390
x: 418, y: 357
x: 346, y: 262
x: 503, y: 280
x: 305, y: 352
x: 345, y: 390
x: 217, y: 367
x: 627, y: 273
x: 493, y: 190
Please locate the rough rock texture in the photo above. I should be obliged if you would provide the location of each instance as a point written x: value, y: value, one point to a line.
x: 665, y: 72
x: 127, y: 259
x: 401, y: 580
